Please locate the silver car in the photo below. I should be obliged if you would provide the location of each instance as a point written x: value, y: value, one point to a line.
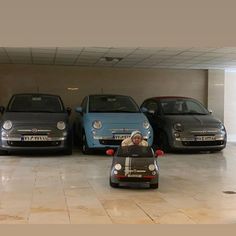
x: 182, y: 123
x: 35, y: 122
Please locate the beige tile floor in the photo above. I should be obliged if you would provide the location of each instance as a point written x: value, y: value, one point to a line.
x: 75, y: 190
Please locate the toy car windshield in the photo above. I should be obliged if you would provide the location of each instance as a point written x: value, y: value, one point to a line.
x: 134, y: 151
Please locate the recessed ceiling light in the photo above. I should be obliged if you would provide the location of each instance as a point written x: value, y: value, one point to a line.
x: 72, y: 89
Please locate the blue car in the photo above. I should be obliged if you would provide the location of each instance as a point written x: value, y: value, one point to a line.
x: 105, y: 120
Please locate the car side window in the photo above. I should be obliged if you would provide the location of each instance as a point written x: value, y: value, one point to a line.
x: 84, y: 104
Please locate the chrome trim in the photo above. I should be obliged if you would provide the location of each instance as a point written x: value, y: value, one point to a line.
x: 30, y: 130
x: 49, y: 139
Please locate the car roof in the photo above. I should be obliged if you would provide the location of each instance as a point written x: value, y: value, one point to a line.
x: 166, y: 97
x: 108, y: 95
x: 38, y: 94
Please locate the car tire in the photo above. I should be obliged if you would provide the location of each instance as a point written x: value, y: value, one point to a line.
x: 114, y: 185
x: 85, y: 148
x: 154, y: 186
x: 164, y: 142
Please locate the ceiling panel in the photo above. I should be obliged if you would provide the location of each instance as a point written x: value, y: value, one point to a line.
x: 138, y: 57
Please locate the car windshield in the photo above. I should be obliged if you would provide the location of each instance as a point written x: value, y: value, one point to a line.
x: 35, y: 103
x: 135, y: 151
x: 112, y: 103
x: 182, y: 106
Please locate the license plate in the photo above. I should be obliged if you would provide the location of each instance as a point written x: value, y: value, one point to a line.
x: 121, y: 136
x: 135, y: 176
x: 34, y: 138
x: 205, y: 138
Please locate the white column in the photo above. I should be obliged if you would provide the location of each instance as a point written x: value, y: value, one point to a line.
x: 216, y: 84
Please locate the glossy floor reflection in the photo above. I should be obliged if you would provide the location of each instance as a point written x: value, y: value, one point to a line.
x: 75, y: 190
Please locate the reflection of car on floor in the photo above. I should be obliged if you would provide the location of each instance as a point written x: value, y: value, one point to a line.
x: 134, y: 164
x: 105, y: 120
x: 35, y: 122
x: 181, y: 123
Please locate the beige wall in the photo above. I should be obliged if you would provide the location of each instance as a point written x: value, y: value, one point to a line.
x: 138, y: 83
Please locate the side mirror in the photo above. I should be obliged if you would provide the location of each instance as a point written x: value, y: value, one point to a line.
x: 144, y: 109
x: 159, y: 153
x: 2, y: 109
x: 210, y: 111
x: 79, y: 109
x: 110, y: 152
x: 68, y: 109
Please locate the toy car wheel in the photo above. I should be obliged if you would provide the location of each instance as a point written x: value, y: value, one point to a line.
x: 154, y: 186
x: 85, y: 148
x: 113, y: 185
x: 3, y: 152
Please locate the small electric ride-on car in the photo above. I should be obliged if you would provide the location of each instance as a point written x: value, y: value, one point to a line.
x: 134, y: 164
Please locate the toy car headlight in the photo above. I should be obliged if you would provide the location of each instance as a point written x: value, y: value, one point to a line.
x: 97, y: 124
x: 61, y: 125
x: 118, y: 166
x: 151, y: 167
x: 7, y: 125
x: 178, y: 127
x: 146, y: 125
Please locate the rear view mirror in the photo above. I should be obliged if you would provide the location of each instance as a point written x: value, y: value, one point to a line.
x: 159, y: 153
x: 110, y: 152
x: 2, y: 109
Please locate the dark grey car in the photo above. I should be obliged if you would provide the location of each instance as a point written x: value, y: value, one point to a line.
x: 134, y: 164
x: 181, y: 123
x: 35, y: 122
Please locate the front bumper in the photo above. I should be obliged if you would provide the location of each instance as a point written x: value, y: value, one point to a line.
x: 15, y: 142
x: 199, y: 142
x: 99, y: 141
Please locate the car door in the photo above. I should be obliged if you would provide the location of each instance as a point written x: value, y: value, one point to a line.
x: 80, y: 117
x: 152, y: 113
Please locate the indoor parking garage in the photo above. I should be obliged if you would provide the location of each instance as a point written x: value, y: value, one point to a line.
x: 64, y: 112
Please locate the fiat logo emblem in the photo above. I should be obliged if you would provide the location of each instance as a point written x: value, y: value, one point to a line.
x: 34, y: 130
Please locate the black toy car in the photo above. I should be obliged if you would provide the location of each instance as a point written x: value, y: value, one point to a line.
x: 134, y: 164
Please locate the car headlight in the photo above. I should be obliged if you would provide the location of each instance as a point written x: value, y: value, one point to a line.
x: 222, y: 127
x: 61, y: 125
x: 97, y: 124
x: 118, y: 166
x: 151, y: 167
x: 7, y: 125
x: 146, y: 125
x: 178, y: 127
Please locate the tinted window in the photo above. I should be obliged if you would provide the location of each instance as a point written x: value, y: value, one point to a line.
x: 35, y: 103
x: 135, y: 151
x: 182, y: 107
x: 151, y: 106
x: 105, y: 103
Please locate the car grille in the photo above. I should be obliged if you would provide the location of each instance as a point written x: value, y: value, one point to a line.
x: 34, y: 144
x: 129, y: 179
x: 203, y: 143
x: 110, y: 142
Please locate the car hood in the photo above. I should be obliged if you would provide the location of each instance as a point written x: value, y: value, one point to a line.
x: 30, y: 117
x: 134, y: 162
x: 118, y: 118
x: 194, y: 120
